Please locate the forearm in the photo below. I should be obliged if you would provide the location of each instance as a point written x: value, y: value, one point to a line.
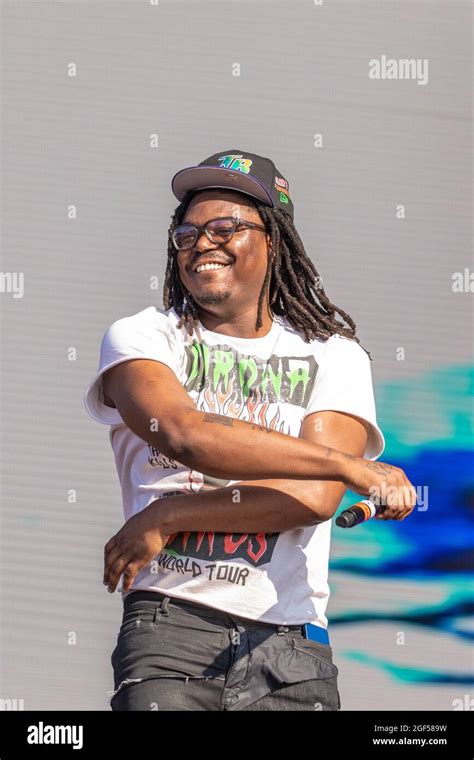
x: 272, y: 506
x: 224, y: 447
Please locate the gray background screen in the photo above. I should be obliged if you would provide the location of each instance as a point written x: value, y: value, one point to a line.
x: 169, y: 69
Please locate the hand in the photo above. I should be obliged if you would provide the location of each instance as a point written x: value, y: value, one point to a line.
x: 136, y: 543
x: 383, y: 483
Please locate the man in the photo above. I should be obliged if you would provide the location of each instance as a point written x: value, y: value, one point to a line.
x: 239, y: 415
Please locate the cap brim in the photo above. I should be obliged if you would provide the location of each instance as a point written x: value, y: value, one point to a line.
x: 205, y: 177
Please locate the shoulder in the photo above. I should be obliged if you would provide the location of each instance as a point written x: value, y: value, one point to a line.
x: 144, y: 324
x: 338, y: 348
x: 149, y: 318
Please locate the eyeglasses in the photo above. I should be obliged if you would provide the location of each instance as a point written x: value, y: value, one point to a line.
x: 220, y: 230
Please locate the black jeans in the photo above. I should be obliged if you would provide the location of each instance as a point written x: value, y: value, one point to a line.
x: 178, y: 655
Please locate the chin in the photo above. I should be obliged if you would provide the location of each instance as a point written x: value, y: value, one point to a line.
x: 212, y: 297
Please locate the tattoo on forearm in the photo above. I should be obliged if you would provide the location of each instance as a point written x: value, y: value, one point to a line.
x: 221, y: 419
x: 349, y: 456
x: 262, y: 429
x: 380, y: 467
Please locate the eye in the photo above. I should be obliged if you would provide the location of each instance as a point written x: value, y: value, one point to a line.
x: 221, y: 224
x: 221, y: 228
x: 185, y: 236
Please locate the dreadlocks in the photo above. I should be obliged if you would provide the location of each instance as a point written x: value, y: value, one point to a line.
x: 291, y: 274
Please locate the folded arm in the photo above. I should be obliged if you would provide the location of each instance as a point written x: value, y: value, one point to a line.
x: 263, y: 506
x: 155, y: 406
x: 273, y: 504
x: 287, y: 482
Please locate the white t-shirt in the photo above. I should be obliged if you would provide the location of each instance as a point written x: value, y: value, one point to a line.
x: 276, y: 381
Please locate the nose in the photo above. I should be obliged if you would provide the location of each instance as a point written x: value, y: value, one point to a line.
x: 202, y: 246
x: 203, y: 243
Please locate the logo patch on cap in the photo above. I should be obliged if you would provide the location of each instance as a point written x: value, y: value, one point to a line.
x: 281, y: 191
x: 236, y: 162
x: 283, y: 184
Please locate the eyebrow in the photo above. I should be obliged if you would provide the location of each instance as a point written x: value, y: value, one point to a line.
x: 214, y: 218
x: 227, y: 216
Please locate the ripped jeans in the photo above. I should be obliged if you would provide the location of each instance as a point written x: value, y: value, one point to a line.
x: 173, y: 654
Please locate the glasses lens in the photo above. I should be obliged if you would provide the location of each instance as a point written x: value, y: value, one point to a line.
x: 220, y: 230
x: 184, y: 236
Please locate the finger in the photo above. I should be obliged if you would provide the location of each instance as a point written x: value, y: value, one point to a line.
x: 393, y: 505
x: 404, y: 512
x: 405, y: 509
x: 109, y: 545
x: 108, y: 549
x: 390, y: 499
x: 397, y: 500
x: 409, y: 492
x: 129, y: 575
x: 392, y: 513
x: 109, y: 561
x: 401, y: 516
x: 402, y: 499
x: 401, y: 509
x: 407, y: 496
x: 116, y: 571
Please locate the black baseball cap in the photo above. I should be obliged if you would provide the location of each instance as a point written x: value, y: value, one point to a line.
x: 237, y: 170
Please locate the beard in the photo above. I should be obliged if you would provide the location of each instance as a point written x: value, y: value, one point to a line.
x: 212, y: 297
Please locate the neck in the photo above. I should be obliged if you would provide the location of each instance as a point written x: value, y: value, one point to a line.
x: 239, y: 325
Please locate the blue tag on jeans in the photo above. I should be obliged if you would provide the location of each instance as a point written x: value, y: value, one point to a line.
x: 316, y: 633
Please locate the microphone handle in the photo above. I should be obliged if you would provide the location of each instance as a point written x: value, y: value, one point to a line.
x: 358, y: 513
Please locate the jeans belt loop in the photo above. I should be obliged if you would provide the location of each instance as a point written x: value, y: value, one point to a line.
x: 164, y: 605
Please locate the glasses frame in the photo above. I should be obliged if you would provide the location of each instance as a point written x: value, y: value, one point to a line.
x: 237, y: 225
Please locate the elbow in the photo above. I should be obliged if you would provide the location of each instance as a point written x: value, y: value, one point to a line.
x: 322, y: 513
x: 175, y: 438
x: 306, y: 516
x: 316, y: 505
x: 325, y: 500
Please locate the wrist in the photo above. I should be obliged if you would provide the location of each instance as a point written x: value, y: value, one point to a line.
x: 343, y: 465
x: 164, y: 514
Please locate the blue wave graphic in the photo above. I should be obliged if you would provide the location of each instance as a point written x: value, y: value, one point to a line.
x: 428, y: 426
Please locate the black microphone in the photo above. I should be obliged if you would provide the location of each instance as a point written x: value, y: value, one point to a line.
x: 358, y: 513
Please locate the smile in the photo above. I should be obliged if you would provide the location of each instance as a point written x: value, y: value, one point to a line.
x: 209, y: 267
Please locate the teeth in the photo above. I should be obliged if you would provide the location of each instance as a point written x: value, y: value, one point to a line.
x: 203, y: 267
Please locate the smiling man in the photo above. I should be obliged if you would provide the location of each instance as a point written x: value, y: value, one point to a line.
x: 239, y: 415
